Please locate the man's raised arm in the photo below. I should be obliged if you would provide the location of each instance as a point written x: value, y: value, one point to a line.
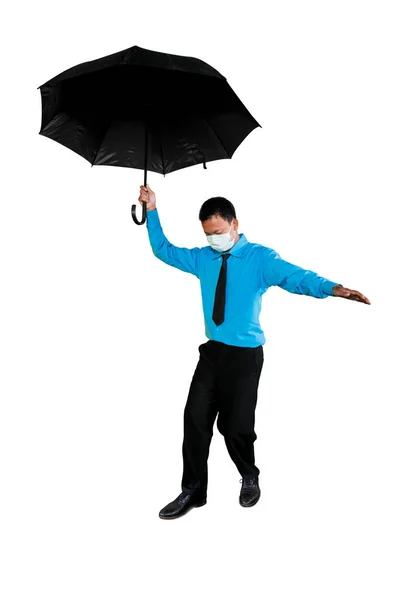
x: 185, y: 259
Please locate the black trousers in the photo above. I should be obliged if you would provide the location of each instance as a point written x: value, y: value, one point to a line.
x: 225, y: 382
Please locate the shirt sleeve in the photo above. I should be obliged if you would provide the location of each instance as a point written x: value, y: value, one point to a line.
x: 185, y: 259
x: 294, y: 279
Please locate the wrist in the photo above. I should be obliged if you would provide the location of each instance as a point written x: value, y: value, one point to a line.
x: 338, y: 285
x: 328, y: 287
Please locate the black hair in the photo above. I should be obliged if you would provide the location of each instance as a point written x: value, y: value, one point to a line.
x: 219, y: 207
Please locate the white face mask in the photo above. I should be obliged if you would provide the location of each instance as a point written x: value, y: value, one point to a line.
x: 220, y: 241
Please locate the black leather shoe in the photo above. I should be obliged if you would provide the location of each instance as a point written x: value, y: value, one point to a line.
x: 181, y: 505
x: 250, y: 492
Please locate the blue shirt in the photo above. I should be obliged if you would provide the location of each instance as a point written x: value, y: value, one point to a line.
x: 251, y: 270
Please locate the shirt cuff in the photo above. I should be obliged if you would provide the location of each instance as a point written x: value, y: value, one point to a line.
x: 152, y: 216
x: 327, y: 287
x: 149, y: 212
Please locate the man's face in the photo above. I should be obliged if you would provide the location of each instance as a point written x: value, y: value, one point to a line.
x: 216, y: 225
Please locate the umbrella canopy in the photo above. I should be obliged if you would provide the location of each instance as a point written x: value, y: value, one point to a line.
x: 146, y: 110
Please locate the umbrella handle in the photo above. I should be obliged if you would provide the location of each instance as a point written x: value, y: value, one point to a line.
x: 144, y: 214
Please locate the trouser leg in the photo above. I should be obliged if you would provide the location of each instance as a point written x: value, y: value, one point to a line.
x: 199, y: 416
x: 239, y: 381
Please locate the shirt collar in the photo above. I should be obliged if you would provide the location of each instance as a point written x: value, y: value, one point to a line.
x: 237, y: 250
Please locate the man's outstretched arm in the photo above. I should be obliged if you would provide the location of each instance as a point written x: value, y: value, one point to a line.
x: 295, y: 279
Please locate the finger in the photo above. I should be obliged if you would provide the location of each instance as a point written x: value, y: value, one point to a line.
x: 364, y: 300
x: 360, y: 295
x: 359, y: 299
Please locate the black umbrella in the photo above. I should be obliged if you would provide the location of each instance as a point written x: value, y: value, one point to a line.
x: 146, y: 110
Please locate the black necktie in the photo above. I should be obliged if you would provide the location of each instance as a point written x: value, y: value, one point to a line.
x: 219, y: 302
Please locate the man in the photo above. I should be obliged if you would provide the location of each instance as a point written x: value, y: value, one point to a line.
x: 226, y: 378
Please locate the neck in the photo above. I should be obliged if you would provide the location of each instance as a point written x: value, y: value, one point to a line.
x: 236, y: 239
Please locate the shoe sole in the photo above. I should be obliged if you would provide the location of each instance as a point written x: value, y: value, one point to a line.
x: 184, y: 513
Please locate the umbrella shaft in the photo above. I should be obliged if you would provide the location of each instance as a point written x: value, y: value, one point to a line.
x: 145, y: 155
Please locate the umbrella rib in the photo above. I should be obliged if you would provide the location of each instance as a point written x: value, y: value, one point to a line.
x: 217, y: 136
x: 101, y: 141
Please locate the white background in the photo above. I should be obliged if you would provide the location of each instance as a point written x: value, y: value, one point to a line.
x: 99, y: 339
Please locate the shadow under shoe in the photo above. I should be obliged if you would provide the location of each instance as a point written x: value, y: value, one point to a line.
x: 250, y: 492
x: 181, y: 505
